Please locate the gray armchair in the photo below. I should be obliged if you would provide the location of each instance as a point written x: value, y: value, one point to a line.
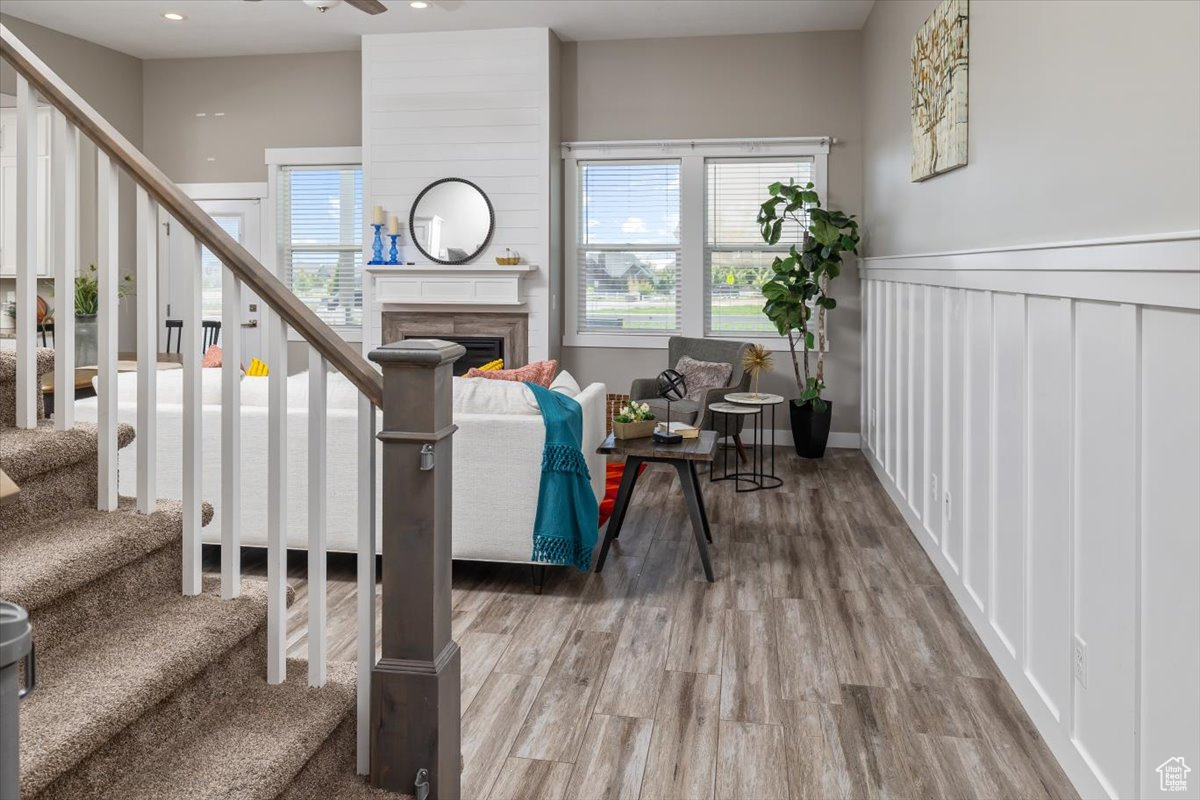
x: 645, y: 390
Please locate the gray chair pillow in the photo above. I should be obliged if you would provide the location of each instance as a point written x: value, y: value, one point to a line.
x: 703, y: 375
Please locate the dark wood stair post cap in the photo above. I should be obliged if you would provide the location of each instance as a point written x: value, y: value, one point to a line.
x: 418, y: 352
x: 416, y: 685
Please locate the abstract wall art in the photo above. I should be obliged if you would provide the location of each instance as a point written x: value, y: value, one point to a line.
x: 939, y: 91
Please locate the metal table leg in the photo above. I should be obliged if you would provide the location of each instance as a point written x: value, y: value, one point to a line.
x: 691, y: 496
x: 633, y: 465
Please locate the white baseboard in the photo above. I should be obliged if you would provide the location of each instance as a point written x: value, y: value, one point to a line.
x: 1074, y: 763
x: 837, y: 439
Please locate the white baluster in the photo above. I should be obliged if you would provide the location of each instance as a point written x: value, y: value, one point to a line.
x: 276, y: 499
x: 64, y: 172
x: 106, y: 319
x: 193, y: 415
x: 366, y: 576
x: 316, y: 518
x: 231, y: 431
x: 28, y: 392
x: 147, y: 351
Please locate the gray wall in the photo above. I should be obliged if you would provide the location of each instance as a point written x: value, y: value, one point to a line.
x: 308, y: 100
x: 1065, y: 142
x: 712, y: 87
x: 111, y: 83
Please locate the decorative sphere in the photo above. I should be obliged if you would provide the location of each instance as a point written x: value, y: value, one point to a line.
x: 671, y: 385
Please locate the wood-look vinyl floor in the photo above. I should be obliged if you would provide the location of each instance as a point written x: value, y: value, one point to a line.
x: 828, y: 660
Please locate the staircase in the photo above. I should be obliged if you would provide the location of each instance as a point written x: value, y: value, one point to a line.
x: 156, y: 680
x: 143, y: 692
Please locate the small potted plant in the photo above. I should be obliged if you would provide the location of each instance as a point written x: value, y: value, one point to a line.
x: 633, y: 421
x: 798, y: 297
x: 87, y: 305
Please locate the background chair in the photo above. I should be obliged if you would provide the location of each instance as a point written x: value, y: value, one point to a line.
x: 210, y: 330
x: 645, y: 390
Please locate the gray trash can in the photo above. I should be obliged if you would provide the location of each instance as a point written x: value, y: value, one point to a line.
x: 16, y: 647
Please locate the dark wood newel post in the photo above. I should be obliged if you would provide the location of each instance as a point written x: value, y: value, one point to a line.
x: 415, y: 686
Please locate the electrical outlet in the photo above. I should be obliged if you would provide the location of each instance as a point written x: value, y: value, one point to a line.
x: 933, y: 490
x: 1079, y: 661
x: 949, y: 505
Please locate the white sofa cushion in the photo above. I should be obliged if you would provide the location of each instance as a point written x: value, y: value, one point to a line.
x: 168, y: 386
x: 488, y: 396
x: 565, y: 382
x: 339, y: 391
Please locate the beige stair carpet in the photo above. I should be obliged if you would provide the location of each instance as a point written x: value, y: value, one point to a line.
x: 143, y: 692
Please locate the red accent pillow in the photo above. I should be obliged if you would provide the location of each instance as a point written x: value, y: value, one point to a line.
x: 539, y: 372
x: 212, y: 357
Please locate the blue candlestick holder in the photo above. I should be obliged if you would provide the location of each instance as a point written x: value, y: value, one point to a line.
x: 377, y: 252
x: 394, y: 253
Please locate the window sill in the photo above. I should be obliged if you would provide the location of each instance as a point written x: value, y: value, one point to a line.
x: 773, y: 342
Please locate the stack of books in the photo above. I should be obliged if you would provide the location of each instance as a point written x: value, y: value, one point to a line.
x: 682, y: 428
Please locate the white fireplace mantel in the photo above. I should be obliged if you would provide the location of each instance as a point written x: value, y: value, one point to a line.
x: 449, y: 284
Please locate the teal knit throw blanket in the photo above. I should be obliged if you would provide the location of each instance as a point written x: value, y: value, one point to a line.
x: 564, y: 530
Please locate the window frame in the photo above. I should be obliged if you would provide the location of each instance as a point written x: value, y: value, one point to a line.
x: 758, y: 247
x: 277, y: 159
x: 626, y: 247
x: 693, y: 156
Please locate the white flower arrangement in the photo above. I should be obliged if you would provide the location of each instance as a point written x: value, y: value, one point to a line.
x: 634, y: 412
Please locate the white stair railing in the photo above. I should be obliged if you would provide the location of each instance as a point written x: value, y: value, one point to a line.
x: 107, y: 246
x: 71, y: 119
x: 64, y: 155
x: 26, y: 383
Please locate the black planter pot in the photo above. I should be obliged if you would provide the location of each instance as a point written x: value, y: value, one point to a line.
x: 810, y: 428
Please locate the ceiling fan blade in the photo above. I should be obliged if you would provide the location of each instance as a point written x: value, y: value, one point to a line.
x: 369, y: 6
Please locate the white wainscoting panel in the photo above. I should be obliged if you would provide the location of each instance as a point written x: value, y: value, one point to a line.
x: 1008, y: 468
x: 1057, y: 406
x: 1169, y: 656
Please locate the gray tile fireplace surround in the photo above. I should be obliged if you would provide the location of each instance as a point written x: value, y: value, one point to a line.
x: 512, y: 328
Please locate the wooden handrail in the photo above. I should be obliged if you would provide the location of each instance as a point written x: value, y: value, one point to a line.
x: 248, y: 269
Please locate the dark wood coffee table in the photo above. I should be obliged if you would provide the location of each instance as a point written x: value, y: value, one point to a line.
x: 684, y: 457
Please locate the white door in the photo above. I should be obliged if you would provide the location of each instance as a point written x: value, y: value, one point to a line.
x: 238, y: 218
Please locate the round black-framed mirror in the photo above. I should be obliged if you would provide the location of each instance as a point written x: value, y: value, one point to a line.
x: 451, y: 221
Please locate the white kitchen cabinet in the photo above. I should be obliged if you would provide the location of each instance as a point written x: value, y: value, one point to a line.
x: 8, y: 194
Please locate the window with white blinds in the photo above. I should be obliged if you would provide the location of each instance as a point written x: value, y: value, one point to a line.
x: 628, y: 247
x: 320, y: 239
x: 737, y: 261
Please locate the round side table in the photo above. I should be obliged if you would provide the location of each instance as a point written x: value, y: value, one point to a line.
x: 723, y: 415
x: 764, y: 479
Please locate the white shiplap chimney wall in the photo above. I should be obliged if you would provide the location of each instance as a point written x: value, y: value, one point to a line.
x: 480, y: 105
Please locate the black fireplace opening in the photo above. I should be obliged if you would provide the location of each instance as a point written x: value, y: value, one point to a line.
x: 480, y: 350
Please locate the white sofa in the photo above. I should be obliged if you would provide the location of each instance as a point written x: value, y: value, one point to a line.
x: 497, y: 458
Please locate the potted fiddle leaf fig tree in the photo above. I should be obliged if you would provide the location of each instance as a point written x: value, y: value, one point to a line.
x: 798, y: 297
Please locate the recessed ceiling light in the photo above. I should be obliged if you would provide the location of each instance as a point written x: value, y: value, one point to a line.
x: 218, y: 113
x: 201, y: 114
x: 419, y: 4
x: 174, y: 17
x: 211, y: 158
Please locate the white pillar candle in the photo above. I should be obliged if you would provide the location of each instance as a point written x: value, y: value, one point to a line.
x: 377, y: 215
x: 393, y: 224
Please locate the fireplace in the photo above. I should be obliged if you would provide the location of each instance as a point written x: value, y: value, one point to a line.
x: 480, y: 349
x: 487, y: 336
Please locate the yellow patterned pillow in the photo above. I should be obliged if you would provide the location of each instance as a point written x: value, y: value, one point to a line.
x: 492, y: 365
x: 257, y: 368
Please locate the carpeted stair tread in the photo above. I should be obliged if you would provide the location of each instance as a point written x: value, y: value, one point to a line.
x: 65, y: 554
x: 332, y: 772
x: 43, y: 363
x: 26, y: 452
x: 250, y: 747
x: 94, y: 687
